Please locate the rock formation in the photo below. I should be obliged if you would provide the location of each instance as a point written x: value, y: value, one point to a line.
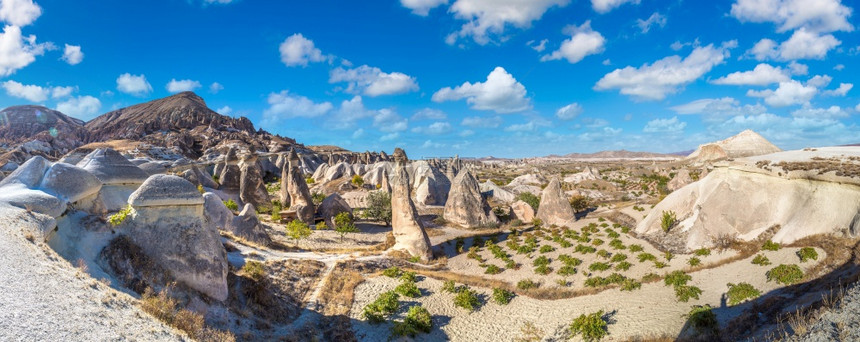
x: 491, y: 189
x: 119, y: 176
x: 466, y: 206
x: 523, y: 211
x: 252, y: 189
x: 681, y: 179
x: 197, y: 177
x: 331, y: 206
x: 408, y: 231
x: 215, y: 213
x: 167, y: 224
x: 300, y: 196
x: 62, y: 133
x: 554, y: 206
x: 230, y: 176
x: 744, y: 144
x: 247, y: 226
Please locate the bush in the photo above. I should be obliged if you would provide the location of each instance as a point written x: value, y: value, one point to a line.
x: 531, y: 199
x: 392, y: 272
x: 785, y: 274
x: 502, y: 296
x: 120, y: 216
x: 165, y: 309
x: 677, y: 278
x: 597, y: 242
x: 741, y: 292
x: 231, y: 204
x: 580, y: 248
x: 417, y: 321
x: 409, y: 276
x: 643, y: 257
x: 598, y: 266
x: 473, y: 254
x: 702, y: 252
x: 408, y: 289
x: 617, y: 244
x: 309, y: 180
x: 321, y: 226
x: 378, y: 207
x: 298, y: 230
x: 546, y: 249
x: 385, y: 305
x: 686, y: 292
x: 630, y: 285
x: 770, y: 246
x: 618, y: 257
x: 526, y: 284
x: 650, y: 277
x: 357, y: 180
x: 807, y: 253
x: 660, y: 264
x: 592, y: 327
x: 603, y: 254
x: 694, y: 261
x: 579, y: 203
x: 317, y: 198
x: 567, y: 270
x: 623, y: 266
x: 467, y: 299
x: 702, y: 319
x: 613, y: 278
x: 636, y: 248
x: 343, y: 224
x: 761, y: 260
x: 541, y: 261
x: 449, y: 286
x: 668, y: 220
x: 254, y: 270
x: 493, y: 269
x: 668, y: 255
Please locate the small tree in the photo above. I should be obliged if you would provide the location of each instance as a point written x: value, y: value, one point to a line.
x: 579, y: 203
x: 668, y: 220
x: 344, y: 224
x: 298, y: 230
x: 378, y: 207
x: 357, y: 181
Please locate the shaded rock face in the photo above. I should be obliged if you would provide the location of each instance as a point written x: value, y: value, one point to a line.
x: 168, y: 225
x: 25, y: 123
x: 680, y: 180
x: 466, y: 207
x: 431, y: 185
x: 153, y: 168
x: 554, y: 206
x: 19, y: 189
x: 69, y: 182
x: 197, y: 177
x: 300, y: 196
x: 230, y: 176
x: 331, y: 206
x: 111, y: 168
x: 523, y: 211
x: 215, y: 213
x: 744, y: 144
x: 491, y: 189
x: 408, y: 232
x: 247, y: 226
x: 252, y: 189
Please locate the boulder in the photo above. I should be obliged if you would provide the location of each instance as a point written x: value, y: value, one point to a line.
x: 320, y: 172
x: 300, y: 196
x: 153, y: 168
x: 247, y: 226
x: 555, y: 207
x: 491, y: 189
x: 215, y: 213
x: 111, y: 168
x: 69, y: 183
x: 168, y: 224
x: 523, y: 211
x: 331, y: 206
x: 431, y: 185
x: 197, y: 177
x: 28, y: 174
x: 252, y: 188
x: 339, y: 170
x: 466, y: 206
x: 681, y: 179
x: 409, y: 234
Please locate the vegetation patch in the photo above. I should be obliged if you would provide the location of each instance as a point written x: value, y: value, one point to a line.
x: 807, y: 253
x: 385, y: 305
x: 761, y: 260
x: 591, y: 327
x: 502, y: 296
x: 738, y: 293
x: 417, y: 321
x: 785, y: 274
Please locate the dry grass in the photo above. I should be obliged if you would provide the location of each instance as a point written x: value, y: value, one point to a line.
x: 165, y: 308
x: 536, y: 293
x: 339, y: 290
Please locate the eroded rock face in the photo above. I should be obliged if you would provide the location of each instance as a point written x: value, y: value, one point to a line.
x: 491, y: 189
x: 19, y: 189
x: 168, y: 224
x: 523, y: 211
x: 111, y: 168
x: 408, y: 232
x: 197, y: 177
x: 300, y: 196
x: 681, y: 179
x: 215, y: 213
x: 465, y: 206
x: 331, y: 206
x: 431, y: 185
x: 69, y: 182
x: 231, y: 175
x: 247, y: 226
x: 554, y: 206
x: 744, y: 144
x: 252, y: 189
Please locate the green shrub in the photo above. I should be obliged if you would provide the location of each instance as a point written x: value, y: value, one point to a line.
x: 650, y: 277
x: 603, y: 254
x: 660, y: 264
x: 531, y: 199
x: 623, y: 266
x: 408, y: 289
x: 702, y: 252
x: 686, y: 292
x: 567, y: 270
x: 510, y: 264
x: 668, y: 220
x: 546, y: 249
x: 761, y: 260
x: 643, y: 257
x: 231, y: 204
x: 502, y: 296
x: 614, y: 278
x: 449, y: 286
x: 357, y: 180
x: 741, y: 292
x: 541, y: 261
x: 298, y: 230
x: 785, y: 274
x: 317, y: 198
x: 580, y: 248
x: 343, y: 224
x: 378, y: 207
x: 543, y: 270
x: 568, y: 260
x: 392, y: 272
x: 467, y: 299
x: 630, y: 285
x: 592, y: 327
x: 702, y: 319
x: 526, y: 284
x: 618, y: 257
x: 119, y: 217
x: 493, y: 269
x: 597, y: 242
x: 321, y: 226
x: 694, y: 261
x: 599, y: 266
x: 254, y: 270
x: 309, y: 180
x: 668, y: 255
x: 617, y: 244
x: 636, y: 248
x: 409, y: 276
x: 770, y: 246
x: 807, y: 253
x: 677, y: 278
x: 417, y: 321
x: 385, y: 305
x: 473, y: 254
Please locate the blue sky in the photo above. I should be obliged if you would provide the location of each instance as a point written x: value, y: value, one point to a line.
x: 467, y: 77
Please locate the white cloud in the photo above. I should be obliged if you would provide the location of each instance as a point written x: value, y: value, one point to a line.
x: 19, y: 12
x: 798, y: 69
x: 583, y: 42
x: 814, y: 15
x: 810, y: 112
x: 429, y: 114
x: 133, y: 84
x: 839, y: 67
x: 436, y: 128
x: 763, y: 74
x: 665, y: 76
x: 226, y: 110
x: 819, y: 81
x: 34, y: 93
x: 787, y: 94
x: 500, y: 93
x: 601, y: 134
x: 539, y: 47
x: 297, y: 50
x: 655, y: 19
x: 390, y: 136
x: 81, y: 107
x: 179, y: 86
x: 841, y: 91
x: 491, y: 17
x: 466, y: 133
x: 802, y: 44
x: 372, y: 81
x: 72, y: 54
x: 17, y: 51
x: 530, y: 126
x: 387, y: 120
x: 595, y: 122
x: 215, y: 87
x: 358, y: 133
x: 672, y: 125
x: 284, y: 105
x: 603, y: 6
x: 422, y: 7
x: 857, y: 108
x: 61, y: 92
x: 569, y: 112
x: 717, y: 110
x: 481, y: 122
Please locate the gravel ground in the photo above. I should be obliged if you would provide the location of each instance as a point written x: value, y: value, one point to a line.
x: 839, y: 324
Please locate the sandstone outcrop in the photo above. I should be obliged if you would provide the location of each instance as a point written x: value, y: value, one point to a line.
x: 523, y: 211
x: 252, y: 188
x: 408, y: 231
x: 681, y: 179
x: 744, y: 144
x: 554, y: 206
x: 215, y: 213
x: 247, y: 226
x: 466, y: 206
x: 118, y: 175
x: 300, y: 196
x: 230, y: 176
x: 491, y: 189
x: 331, y: 206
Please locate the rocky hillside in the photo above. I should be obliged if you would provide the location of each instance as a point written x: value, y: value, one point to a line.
x: 745, y: 144
x: 19, y: 124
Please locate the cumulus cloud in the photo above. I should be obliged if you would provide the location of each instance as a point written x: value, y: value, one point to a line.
x: 297, y: 50
x: 179, y: 86
x: 133, y: 84
x: 814, y: 15
x: 72, y: 54
x: 841, y: 91
x: 819, y: 81
x: 61, y: 92
x: 389, y: 136
x: 802, y: 44
x: 665, y: 76
x: 486, y: 18
x: 215, y: 87
x: 387, y: 120
x: 284, y: 105
x: 500, y: 93
x: 372, y: 81
x: 601, y: 134
x: 34, y: 93
x: 604, y: 6
x: 17, y: 51
x: 422, y: 7
x: 436, y: 128
x: 672, y: 125
x: 226, y: 110
x: 762, y: 75
x: 482, y: 122
x: 429, y: 114
x: 431, y: 144
x: 717, y: 110
x: 788, y: 93
x: 811, y: 112
x: 82, y: 107
x: 583, y: 42
x: 569, y: 112
x: 19, y: 12
x: 798, y: 68
x: 655, y: 19
x: 537, y: 46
